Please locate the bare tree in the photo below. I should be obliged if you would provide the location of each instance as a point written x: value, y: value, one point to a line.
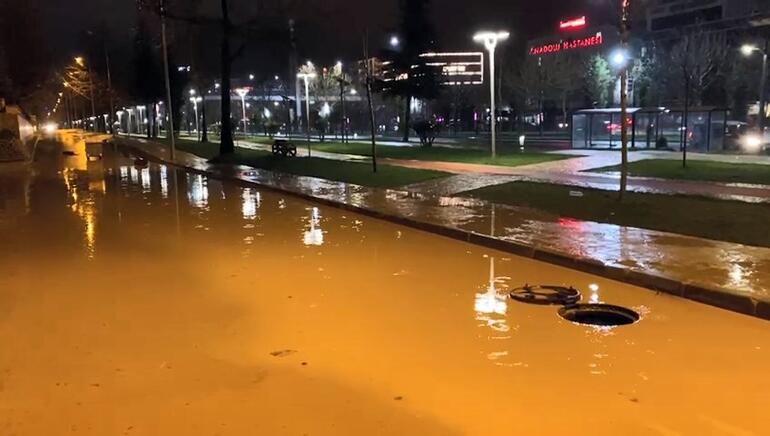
x: 701, y: 59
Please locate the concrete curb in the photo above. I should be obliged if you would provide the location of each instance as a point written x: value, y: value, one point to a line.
x: 714, y: 297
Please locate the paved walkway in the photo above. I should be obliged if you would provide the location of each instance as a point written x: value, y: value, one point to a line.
x: 724, y: 274
x: 568, y: 172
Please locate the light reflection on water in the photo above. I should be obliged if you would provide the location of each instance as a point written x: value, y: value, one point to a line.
x: 198, y: 192
x: 251, y: 202
x: 492, y: 307
x: 313, y: 234
x: 163, y: 181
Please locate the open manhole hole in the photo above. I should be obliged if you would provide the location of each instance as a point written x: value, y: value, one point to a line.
x: 599, y: 314
x: 546, y: 295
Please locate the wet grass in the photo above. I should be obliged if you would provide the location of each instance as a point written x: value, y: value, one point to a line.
x: 442, y: 154
x: 699, y: 170
x: 732, y: 221
x: 358, y: 173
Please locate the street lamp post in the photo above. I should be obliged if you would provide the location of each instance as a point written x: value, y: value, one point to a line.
x: 306, y: 78
x: 128, y: 122
x: 747, y: 50
x: 120, y: 119
x: 169, y: 105
x: 242, y: 92
x: 490, y: 41
x: 81, y: 61
x: 194, y: 101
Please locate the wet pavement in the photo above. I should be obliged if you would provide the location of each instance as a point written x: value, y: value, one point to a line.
x: 136, y: 299
x: 572, y: 171
x: 729, y: 268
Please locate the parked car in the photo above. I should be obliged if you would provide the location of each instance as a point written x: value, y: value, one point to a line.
x: 740, y: 137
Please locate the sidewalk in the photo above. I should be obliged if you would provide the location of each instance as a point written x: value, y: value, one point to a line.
x: 568, y: 172
x: 722, y: 274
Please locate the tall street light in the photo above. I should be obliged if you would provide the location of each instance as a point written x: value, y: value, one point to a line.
x: 169, y: 105
x: 748, y: 50
x: 306, y: 78
x: 82, y: 63
x: 490, y: 41
x: 195, y: 101
x: 242, y: 92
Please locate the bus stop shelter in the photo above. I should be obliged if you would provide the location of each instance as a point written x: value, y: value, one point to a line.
x: 649, y: 128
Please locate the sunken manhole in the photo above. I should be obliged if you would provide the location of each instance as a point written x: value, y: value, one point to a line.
x: 546, y: 295
x: 605, y: 315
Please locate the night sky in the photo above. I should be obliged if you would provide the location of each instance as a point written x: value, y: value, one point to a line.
x: 329, y: 25
x: 328, y: 30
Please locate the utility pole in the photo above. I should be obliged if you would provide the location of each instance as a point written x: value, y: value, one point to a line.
x: 342, y: 108
x: 625, y: 27
x: 169, y: 107
x: 109, y: 89
x: 686, y: 114
x: 369, y: 98
x: 293, y: 67
x: 747, y: 50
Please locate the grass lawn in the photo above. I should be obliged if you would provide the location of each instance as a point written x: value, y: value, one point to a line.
x: 697, y: 170
x: 441, y: 154
x: 359, y: 173
x: 732, y: 221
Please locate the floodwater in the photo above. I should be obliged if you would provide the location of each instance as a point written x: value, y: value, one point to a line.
x: 139, y: 300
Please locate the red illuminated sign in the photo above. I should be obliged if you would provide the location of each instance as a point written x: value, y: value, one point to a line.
x: 575, y: 23
x: 568, y: 44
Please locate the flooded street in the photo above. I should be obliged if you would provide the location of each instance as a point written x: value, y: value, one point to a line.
x: 140, y: 300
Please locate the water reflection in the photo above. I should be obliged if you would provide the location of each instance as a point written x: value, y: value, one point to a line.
x: 594, y: 298
x: 490, y: 306
x: 84, y: 207
x: 197, y: 191
x: 146, y: 181
x: 14, y: 195
x: 314, y: 235
x: 251, y: 202
x: 164, y: 181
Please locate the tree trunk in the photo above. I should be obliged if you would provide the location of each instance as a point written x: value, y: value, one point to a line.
x: 407, y: 118
x: 226, y: 145
x: 150, y: 109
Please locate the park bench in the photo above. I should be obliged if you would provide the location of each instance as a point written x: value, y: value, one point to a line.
x: 284, y: 148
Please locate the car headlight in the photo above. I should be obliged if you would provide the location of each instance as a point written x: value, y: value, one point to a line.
x: 752, y: 142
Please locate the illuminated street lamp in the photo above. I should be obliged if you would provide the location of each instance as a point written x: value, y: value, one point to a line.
x: 306, y: 78
x: 140, y: 122
x: 619, y: 58
x: 748, y: 50
x: 395, y: 41
x: 490, y: 40
x: 120, y: 118
x: 242, y: 92
x: 195, y: 101
x: 128, y: 123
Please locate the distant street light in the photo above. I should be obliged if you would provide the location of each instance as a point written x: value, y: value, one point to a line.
x: 306, y: 78
x: 251, y: 77
x: 120, y: 118
x: 395, y: 41
x: 141, y: 120
x: 128, y: 123
x: 242, y: 92
x: 619, y: 58
x: 490, y: 40
x: 748, y: 50
x: 195, y: 101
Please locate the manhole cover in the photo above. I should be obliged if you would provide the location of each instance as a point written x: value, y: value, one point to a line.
x: 599, y: 314
x: 546, y: 295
